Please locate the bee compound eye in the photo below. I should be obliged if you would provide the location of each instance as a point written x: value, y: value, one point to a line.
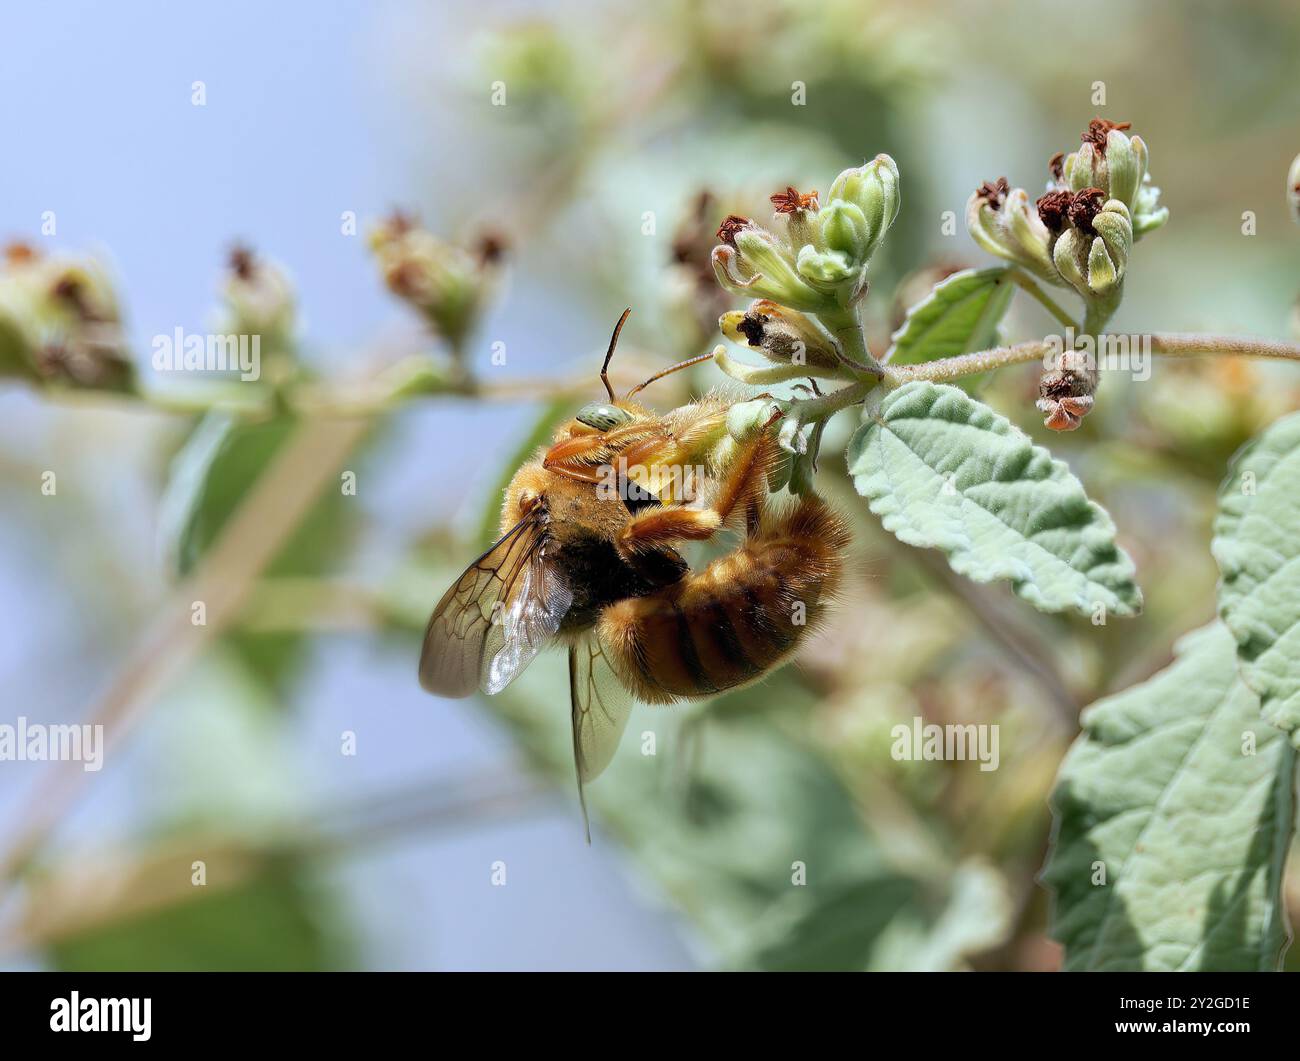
x: 602, y: 416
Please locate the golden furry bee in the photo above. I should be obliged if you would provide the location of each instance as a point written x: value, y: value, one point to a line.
x: 587, y: 558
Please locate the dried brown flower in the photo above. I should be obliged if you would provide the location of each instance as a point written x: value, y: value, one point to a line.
x: 1084, y: 207
x: 729, y: 228
x: 994, y: 192
x: 1053, y: 209
x: 1096, y: 132
x: 790, y: 200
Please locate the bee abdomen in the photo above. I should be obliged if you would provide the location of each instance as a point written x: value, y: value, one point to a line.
x: 738, y: 618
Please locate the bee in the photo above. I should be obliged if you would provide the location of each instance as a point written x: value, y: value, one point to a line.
x: 588, y: 558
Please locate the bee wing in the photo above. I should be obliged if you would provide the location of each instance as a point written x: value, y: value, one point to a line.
x: 601, y: 706
x: 496, y: 617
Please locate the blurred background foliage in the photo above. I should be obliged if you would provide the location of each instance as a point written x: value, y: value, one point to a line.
x: 628, y: 133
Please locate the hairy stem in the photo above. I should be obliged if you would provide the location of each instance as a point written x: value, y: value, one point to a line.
x: 945, y: 370
x: 846, y: 326
x: 951, y: 368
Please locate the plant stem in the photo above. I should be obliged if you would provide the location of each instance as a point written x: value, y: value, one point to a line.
x: 1175, y: 344
x: 1043, y: 298
x: 846, y: 326
x: 1164, y: 344
x: 950, y: 368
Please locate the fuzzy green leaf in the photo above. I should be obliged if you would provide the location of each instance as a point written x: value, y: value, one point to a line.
x: 1182, y: 796
x: 961, y: 314
x: 944, y: 471
x: 1257, y: 545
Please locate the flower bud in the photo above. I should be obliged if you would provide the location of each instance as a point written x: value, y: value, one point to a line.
x: 782, y: 335
x: 873, y: 194
x: 1092, y: 253
x: 259, y: 298
x: 59, y: 323
x: 1001, y: 221
x: 18, y: 298
x: 751, y: 261
x: 448, y: 284
x: 1109, y: 159
x: 743, y: 420
x: 844, y: 229
x: 803, y: 465
x: 828, y: 268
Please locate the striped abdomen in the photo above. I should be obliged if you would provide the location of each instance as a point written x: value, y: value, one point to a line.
x: 735, y: 620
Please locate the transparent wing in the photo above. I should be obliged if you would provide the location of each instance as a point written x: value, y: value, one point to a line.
x: 601, y: 706
x: 495, y: 618
x: 529, y: 621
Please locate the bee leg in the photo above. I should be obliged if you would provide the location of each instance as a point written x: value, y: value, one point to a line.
x: 582, y: 456
x: 742, y: 488
x: 663, y: 526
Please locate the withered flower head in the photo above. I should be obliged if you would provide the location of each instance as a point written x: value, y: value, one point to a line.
x: 1096, y: 132
x: 1084, y: 207
x: 993, y: 192
x: 1066, y: 392
x: 790, y: 200
x: 400, y: 222
x: 731, y: 227
x: 242, y: 262
x: 1053, y: 208
x: 491, y: 248
x: 1056, y: 165
x: 71, y: 291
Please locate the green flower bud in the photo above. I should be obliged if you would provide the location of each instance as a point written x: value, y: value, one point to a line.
x: 18, y: 339
x: 1148, y: 215
x: 1001, y: 220
x: 259, y: 297
x: 1115, y: 227
x: 1109, y: 159
x: 1103, y: 273
x: 803, y: 465
x: 744, y: 418
x: 873, y: 190
x: 829, y: 267
x: 751, y: 261
x: 844, y: 229
x: 60, y: 324
x: 1092, y: 253
x: 448, y: 284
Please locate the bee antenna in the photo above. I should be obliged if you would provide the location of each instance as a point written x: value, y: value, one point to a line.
x: 669, y: 371
x: 613, y: 342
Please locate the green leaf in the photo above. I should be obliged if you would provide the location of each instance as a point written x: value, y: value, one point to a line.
x: 1257, y: 545
x: 961, y: 314
x: 946, y: 472
x: 1163, y: 792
